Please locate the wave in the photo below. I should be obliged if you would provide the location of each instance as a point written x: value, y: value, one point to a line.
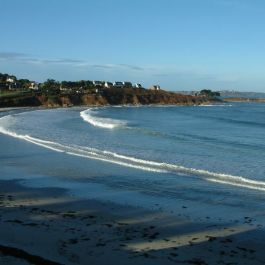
x: 106, y: 123
x: 138, y: 163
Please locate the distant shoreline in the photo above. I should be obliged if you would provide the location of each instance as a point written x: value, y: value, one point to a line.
x: 250, y: 100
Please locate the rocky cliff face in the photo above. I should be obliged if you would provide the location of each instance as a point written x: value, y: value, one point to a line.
x: 105, y: 97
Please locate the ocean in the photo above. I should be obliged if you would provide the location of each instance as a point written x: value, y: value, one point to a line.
x: 198, y: 161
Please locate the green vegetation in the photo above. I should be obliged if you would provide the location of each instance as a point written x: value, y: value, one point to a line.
x: 209, y: 93
x: 50, y: 84
x: 10, y: 82
x: 51, y: 93
x: 83, y: 84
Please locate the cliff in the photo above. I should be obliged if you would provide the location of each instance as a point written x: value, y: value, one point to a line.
x: 105, y: 97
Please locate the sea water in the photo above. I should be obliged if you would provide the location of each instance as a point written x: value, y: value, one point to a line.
x: 209, y: 156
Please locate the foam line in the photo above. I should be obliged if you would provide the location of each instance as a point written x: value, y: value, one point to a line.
x: 87, y: 116
x: 140, y: 164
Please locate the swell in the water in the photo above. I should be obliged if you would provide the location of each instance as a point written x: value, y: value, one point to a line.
x: 138, y: 163
x: 87, y: 115
x: 215, y: 105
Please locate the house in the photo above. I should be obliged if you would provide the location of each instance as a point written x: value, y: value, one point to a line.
x: 97, y: 83
x: 108, y: 85
x: 137, y: 85
x: 34, y: 86
x: 118, y: 84
x: 155, y: 87
x: 10, y: 80
x: 127, y: 84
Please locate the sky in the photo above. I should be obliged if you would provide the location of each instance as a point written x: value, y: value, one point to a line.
x: 178, y: 44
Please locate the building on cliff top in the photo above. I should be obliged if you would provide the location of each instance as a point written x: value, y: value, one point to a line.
x: 97, y: 83
x: 108, y: 85
x: 34, y: 86
x: 155, y: 87
x: 118, y: 84
x: 138, y: 85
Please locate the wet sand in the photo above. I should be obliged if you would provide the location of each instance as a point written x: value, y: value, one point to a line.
x: 47, y: 226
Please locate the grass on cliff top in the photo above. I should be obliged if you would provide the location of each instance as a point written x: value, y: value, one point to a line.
x: 13, y: 94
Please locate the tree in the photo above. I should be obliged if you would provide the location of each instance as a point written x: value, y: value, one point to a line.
x: 209, y: 93
x: 51, y: 84
x: 23, y: 83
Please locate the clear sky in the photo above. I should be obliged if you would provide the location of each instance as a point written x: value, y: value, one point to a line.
x: 179, y: 44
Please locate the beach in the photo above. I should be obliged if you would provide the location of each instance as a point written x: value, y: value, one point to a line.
x: 132, y: 132
x: 50, y: 226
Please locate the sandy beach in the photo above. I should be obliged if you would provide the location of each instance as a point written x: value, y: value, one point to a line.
x: 47, y: 226
x: 132, y: 132
x: 50, y: 225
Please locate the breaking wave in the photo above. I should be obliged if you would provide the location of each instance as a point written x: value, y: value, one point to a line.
x: 136, y: 163
x: 87, y: 115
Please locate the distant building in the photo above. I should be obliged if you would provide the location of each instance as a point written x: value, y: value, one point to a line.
x: 10, y: 80
x: 155, y: 87
x: 11, y: 83
x: 127, y: 84
x: 118, y: 84
x: 137, y: 85
x: 108, y: 85
x: 97, y: 83
x: 34, y: 86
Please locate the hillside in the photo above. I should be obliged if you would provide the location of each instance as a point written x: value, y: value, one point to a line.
x: 114, y: 96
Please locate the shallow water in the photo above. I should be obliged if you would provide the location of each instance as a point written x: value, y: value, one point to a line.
x: 205, y: 156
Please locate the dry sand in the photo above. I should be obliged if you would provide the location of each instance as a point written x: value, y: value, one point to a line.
x: 47, y: 226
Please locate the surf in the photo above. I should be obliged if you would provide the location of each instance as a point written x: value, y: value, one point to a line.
x: 134, y: 162
x: 106, y: 123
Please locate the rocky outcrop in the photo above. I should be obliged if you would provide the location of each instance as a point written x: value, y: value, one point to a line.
x: 105, y: 97
x: 146, y: 97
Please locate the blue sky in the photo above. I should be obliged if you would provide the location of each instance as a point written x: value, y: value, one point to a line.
x: 179, y: 44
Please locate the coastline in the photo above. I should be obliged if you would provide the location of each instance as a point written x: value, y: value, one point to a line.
x: 245, y: 100
x: 105, y: 97
x: 51, y: 224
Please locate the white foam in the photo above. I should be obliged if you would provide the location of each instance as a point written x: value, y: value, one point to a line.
x: 242, y: 185
x: 137, y: 163
x: 106, y: 123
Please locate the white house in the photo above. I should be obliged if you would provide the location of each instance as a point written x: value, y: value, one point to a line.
x: 97, y: 83
x: 34, y: 86
x: 118, y: 84
x: 137, y: 85
x: 10, y: 80
x: 12, y: 85
x: 108, y: 85
x: 155, y: 87
x: 126, y: 84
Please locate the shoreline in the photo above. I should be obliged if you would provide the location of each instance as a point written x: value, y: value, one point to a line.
x: 52, y: 225
x: 206, y: 103
x: 244, y: 100
x: 48, y: 223
x: 4, y: 109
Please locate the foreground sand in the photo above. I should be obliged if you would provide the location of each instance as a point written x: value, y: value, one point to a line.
x: 46, y: 226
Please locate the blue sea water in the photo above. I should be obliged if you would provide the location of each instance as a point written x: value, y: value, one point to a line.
x: 212, y: 156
